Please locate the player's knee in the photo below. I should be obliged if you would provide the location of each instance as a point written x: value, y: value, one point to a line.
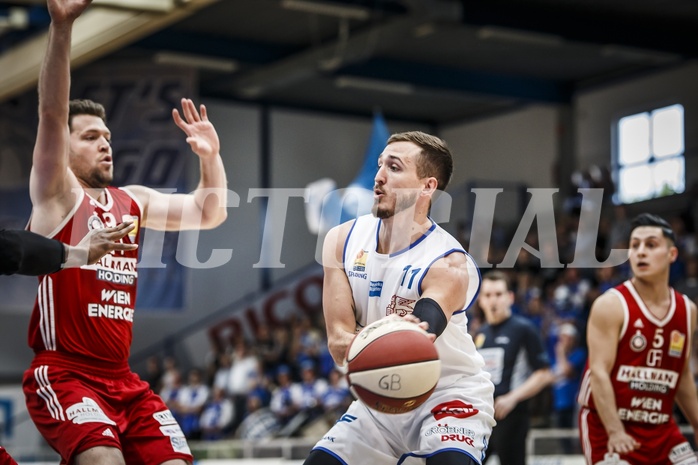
x: 451, y: 457
x: 320, y: 457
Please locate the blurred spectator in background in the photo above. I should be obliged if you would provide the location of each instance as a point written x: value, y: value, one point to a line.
x: 170, y: 373
x: 190, y: 400
x: 570, y: 294
x: 170, y: 391
x: 312, y: 390
x: 605, y: 278
x: 153, y: 373
x: 568, y: 366
x: 269, y: 349
x: 222, y: 371
x: 245, y: 374
x: 216, y: 416
x: 336, y: 398
x: 285, y: 398
x: 619, y: 232
x: 260, y: 423
x: 306, y: 342
x: 689, y: 283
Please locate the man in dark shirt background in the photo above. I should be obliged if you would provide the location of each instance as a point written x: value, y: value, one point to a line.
x: 518, y: 364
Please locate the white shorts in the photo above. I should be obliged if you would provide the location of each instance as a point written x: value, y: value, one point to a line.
x: 457, y: 417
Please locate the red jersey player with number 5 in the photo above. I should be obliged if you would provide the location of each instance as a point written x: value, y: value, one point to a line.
x: 639, y: 338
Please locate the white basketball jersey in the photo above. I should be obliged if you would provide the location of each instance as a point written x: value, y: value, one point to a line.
x: 385, y: 284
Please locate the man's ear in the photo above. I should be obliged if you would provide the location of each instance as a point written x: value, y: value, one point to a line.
x: 430, y: 185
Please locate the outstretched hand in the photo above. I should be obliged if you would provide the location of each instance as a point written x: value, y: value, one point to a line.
x: 66, y: 10
x: 201, y: 135
x: 99, y: 242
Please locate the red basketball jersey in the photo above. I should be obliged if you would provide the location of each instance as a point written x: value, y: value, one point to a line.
x: 650, y: 358
x: 87, y: 312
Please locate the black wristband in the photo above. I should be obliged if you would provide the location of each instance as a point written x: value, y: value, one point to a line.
x: 429, y: 310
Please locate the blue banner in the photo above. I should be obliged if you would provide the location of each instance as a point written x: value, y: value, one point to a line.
x: 328, y: 207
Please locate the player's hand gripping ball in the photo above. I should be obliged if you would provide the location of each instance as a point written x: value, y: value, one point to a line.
x: 392, y: 366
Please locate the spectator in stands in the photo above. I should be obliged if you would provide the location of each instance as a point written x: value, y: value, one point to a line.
x: 306, y: 342
x: 190, y: 400
x: 263, y: 389
x: 273, y: 349
x: 538, y: 311
x: 170, y: 373
x: 312, y: 390
x: 606, y: 278
x: 336, y: 398
x: 260, y: 423
x: 568, y: 367
x: 170, y: 392
x: 269, y: 349
x: 285, y: 398
x: 689, y: 283
x: 245, y: 374
x: 620, y: 229
x: 570, y: 294
x: 222, y: 371
x: 153, y: 373
x: 216, y: 416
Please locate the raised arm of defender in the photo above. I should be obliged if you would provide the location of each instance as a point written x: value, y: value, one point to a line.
x: 51, y: 181
x: 205, y: 208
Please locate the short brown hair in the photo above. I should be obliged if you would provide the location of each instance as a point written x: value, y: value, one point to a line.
x: 85, y: 107
x: 435, y: 158
x: 498, y: 276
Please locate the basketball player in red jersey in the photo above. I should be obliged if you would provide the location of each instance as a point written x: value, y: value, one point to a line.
x: 639, y: 337
x: 80, y: 391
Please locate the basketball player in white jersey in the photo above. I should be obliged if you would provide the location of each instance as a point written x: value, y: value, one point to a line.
x: 399, y: 262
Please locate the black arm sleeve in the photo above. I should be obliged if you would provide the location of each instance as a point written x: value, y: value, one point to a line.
x: 24, y: 252
x: 430, y: 311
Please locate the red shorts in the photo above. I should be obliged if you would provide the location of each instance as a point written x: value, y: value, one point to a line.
x: 5, y: 458
x: 76, y: 410
x: 659, y: 444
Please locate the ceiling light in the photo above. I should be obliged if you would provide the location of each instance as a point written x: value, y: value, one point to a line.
x: 328, y: 9
x: 393, y: 87
x: 519, y: 35
x: 196, y: 61
x: 142, y: 5
x: 96, y: 33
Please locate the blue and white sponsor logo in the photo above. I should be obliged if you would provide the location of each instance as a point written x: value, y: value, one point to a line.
x: 375, y: 288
